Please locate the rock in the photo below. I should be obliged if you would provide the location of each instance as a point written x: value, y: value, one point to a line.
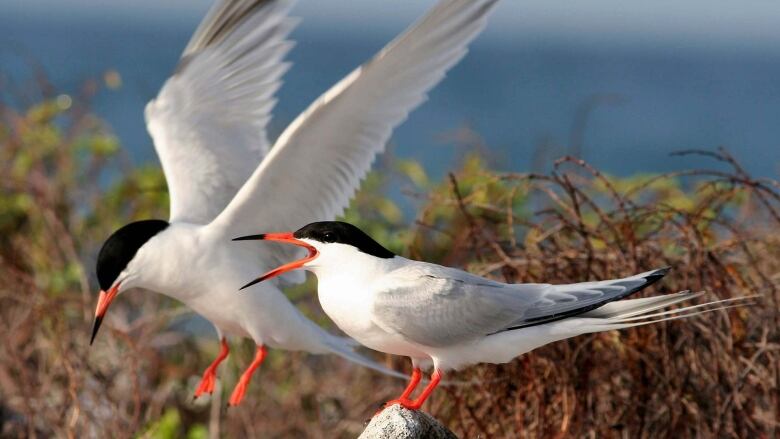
x: 396, y: 422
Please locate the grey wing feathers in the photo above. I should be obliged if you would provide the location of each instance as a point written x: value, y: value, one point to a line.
x: 574, y: 299
x: 224, y: 16
x: 440, y: 311
x: 439, y: 306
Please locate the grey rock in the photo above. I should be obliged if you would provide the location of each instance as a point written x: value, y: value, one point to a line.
x: 396, y: 422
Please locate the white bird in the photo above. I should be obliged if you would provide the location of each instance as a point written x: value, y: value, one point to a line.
x: 208, y: 124
x: 451, y: 318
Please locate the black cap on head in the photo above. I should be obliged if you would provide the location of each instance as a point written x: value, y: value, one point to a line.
x: 343, y: 233
x: 120, y: 248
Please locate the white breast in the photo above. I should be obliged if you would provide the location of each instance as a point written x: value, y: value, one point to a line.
x: 346, y: 294
x: 348, y: 302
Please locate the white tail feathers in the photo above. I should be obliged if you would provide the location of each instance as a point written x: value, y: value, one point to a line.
x: 502, y: 347
x: 638, y: 312
x: 631, y: 307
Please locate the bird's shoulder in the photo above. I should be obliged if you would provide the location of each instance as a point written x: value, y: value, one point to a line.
x: 426, y: 277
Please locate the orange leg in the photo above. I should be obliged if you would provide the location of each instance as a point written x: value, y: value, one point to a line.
x: 413, y: 382
x: 243, y: 382
x: 404, y: 400
x: 210, y: 375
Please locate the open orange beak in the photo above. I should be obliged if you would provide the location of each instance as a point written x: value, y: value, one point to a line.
x: 280, y: 237
x: 104, y: 300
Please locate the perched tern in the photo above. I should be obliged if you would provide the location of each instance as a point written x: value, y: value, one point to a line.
x: 208, y: 125
x: 451, y: 318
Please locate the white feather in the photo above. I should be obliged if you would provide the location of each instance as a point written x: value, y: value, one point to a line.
x: 208, y: 121
x: 317, y: 163
x: 505, y: 346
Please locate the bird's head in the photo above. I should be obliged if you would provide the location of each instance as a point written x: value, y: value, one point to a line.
x: 117, y: 268
x: 328, y: 243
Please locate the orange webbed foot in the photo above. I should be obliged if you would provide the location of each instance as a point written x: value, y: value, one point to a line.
x: 209, y: 378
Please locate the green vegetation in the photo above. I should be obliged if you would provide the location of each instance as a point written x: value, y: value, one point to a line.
x: 66, y: 186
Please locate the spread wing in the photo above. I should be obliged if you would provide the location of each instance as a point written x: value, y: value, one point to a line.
x: 439, y: 306
x: 208, y: 121
x: 317, y: 163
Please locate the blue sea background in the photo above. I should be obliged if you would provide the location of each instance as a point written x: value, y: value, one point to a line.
x: 517, y: 91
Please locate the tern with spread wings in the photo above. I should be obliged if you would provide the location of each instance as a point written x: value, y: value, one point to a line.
x: 450, y: 318
x: 208, y: 124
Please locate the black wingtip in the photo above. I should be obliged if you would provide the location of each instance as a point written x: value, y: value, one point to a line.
x: 656, y: 275
x: 250, y: 237
x: 95, y: 327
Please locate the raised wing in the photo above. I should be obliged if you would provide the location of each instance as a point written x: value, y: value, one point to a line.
x: 317, y: 163
x: 438, y: 306
x: 208, y: 121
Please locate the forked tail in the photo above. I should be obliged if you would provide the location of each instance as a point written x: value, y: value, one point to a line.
x: 504, y: 346
x: 638, y: 312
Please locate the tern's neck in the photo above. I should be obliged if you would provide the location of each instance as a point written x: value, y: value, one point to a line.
x: 345, y: 261
x: 164, y: 263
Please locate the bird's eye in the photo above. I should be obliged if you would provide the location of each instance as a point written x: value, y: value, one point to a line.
x: 329, y: 237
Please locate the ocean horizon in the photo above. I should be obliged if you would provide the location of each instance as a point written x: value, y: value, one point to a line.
x: 646, y: 101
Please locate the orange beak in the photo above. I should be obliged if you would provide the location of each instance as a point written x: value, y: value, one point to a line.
x: 288, y: 238
x: 104, y: 300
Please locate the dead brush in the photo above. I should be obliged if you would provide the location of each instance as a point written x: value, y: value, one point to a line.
x: 65, y: 188
x: 711, y: 376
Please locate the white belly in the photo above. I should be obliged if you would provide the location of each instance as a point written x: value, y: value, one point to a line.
x: 198, y: 266
x: 349, y: 304
x: 207, y: 276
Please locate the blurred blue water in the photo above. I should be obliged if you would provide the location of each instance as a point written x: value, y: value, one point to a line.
x: 515, y: 94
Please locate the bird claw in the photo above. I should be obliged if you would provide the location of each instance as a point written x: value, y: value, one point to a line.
x: 209, y: 379
x: 403, y: 402
x: 206, y: 384
x: 238, y: 394
x: 243, y: 383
